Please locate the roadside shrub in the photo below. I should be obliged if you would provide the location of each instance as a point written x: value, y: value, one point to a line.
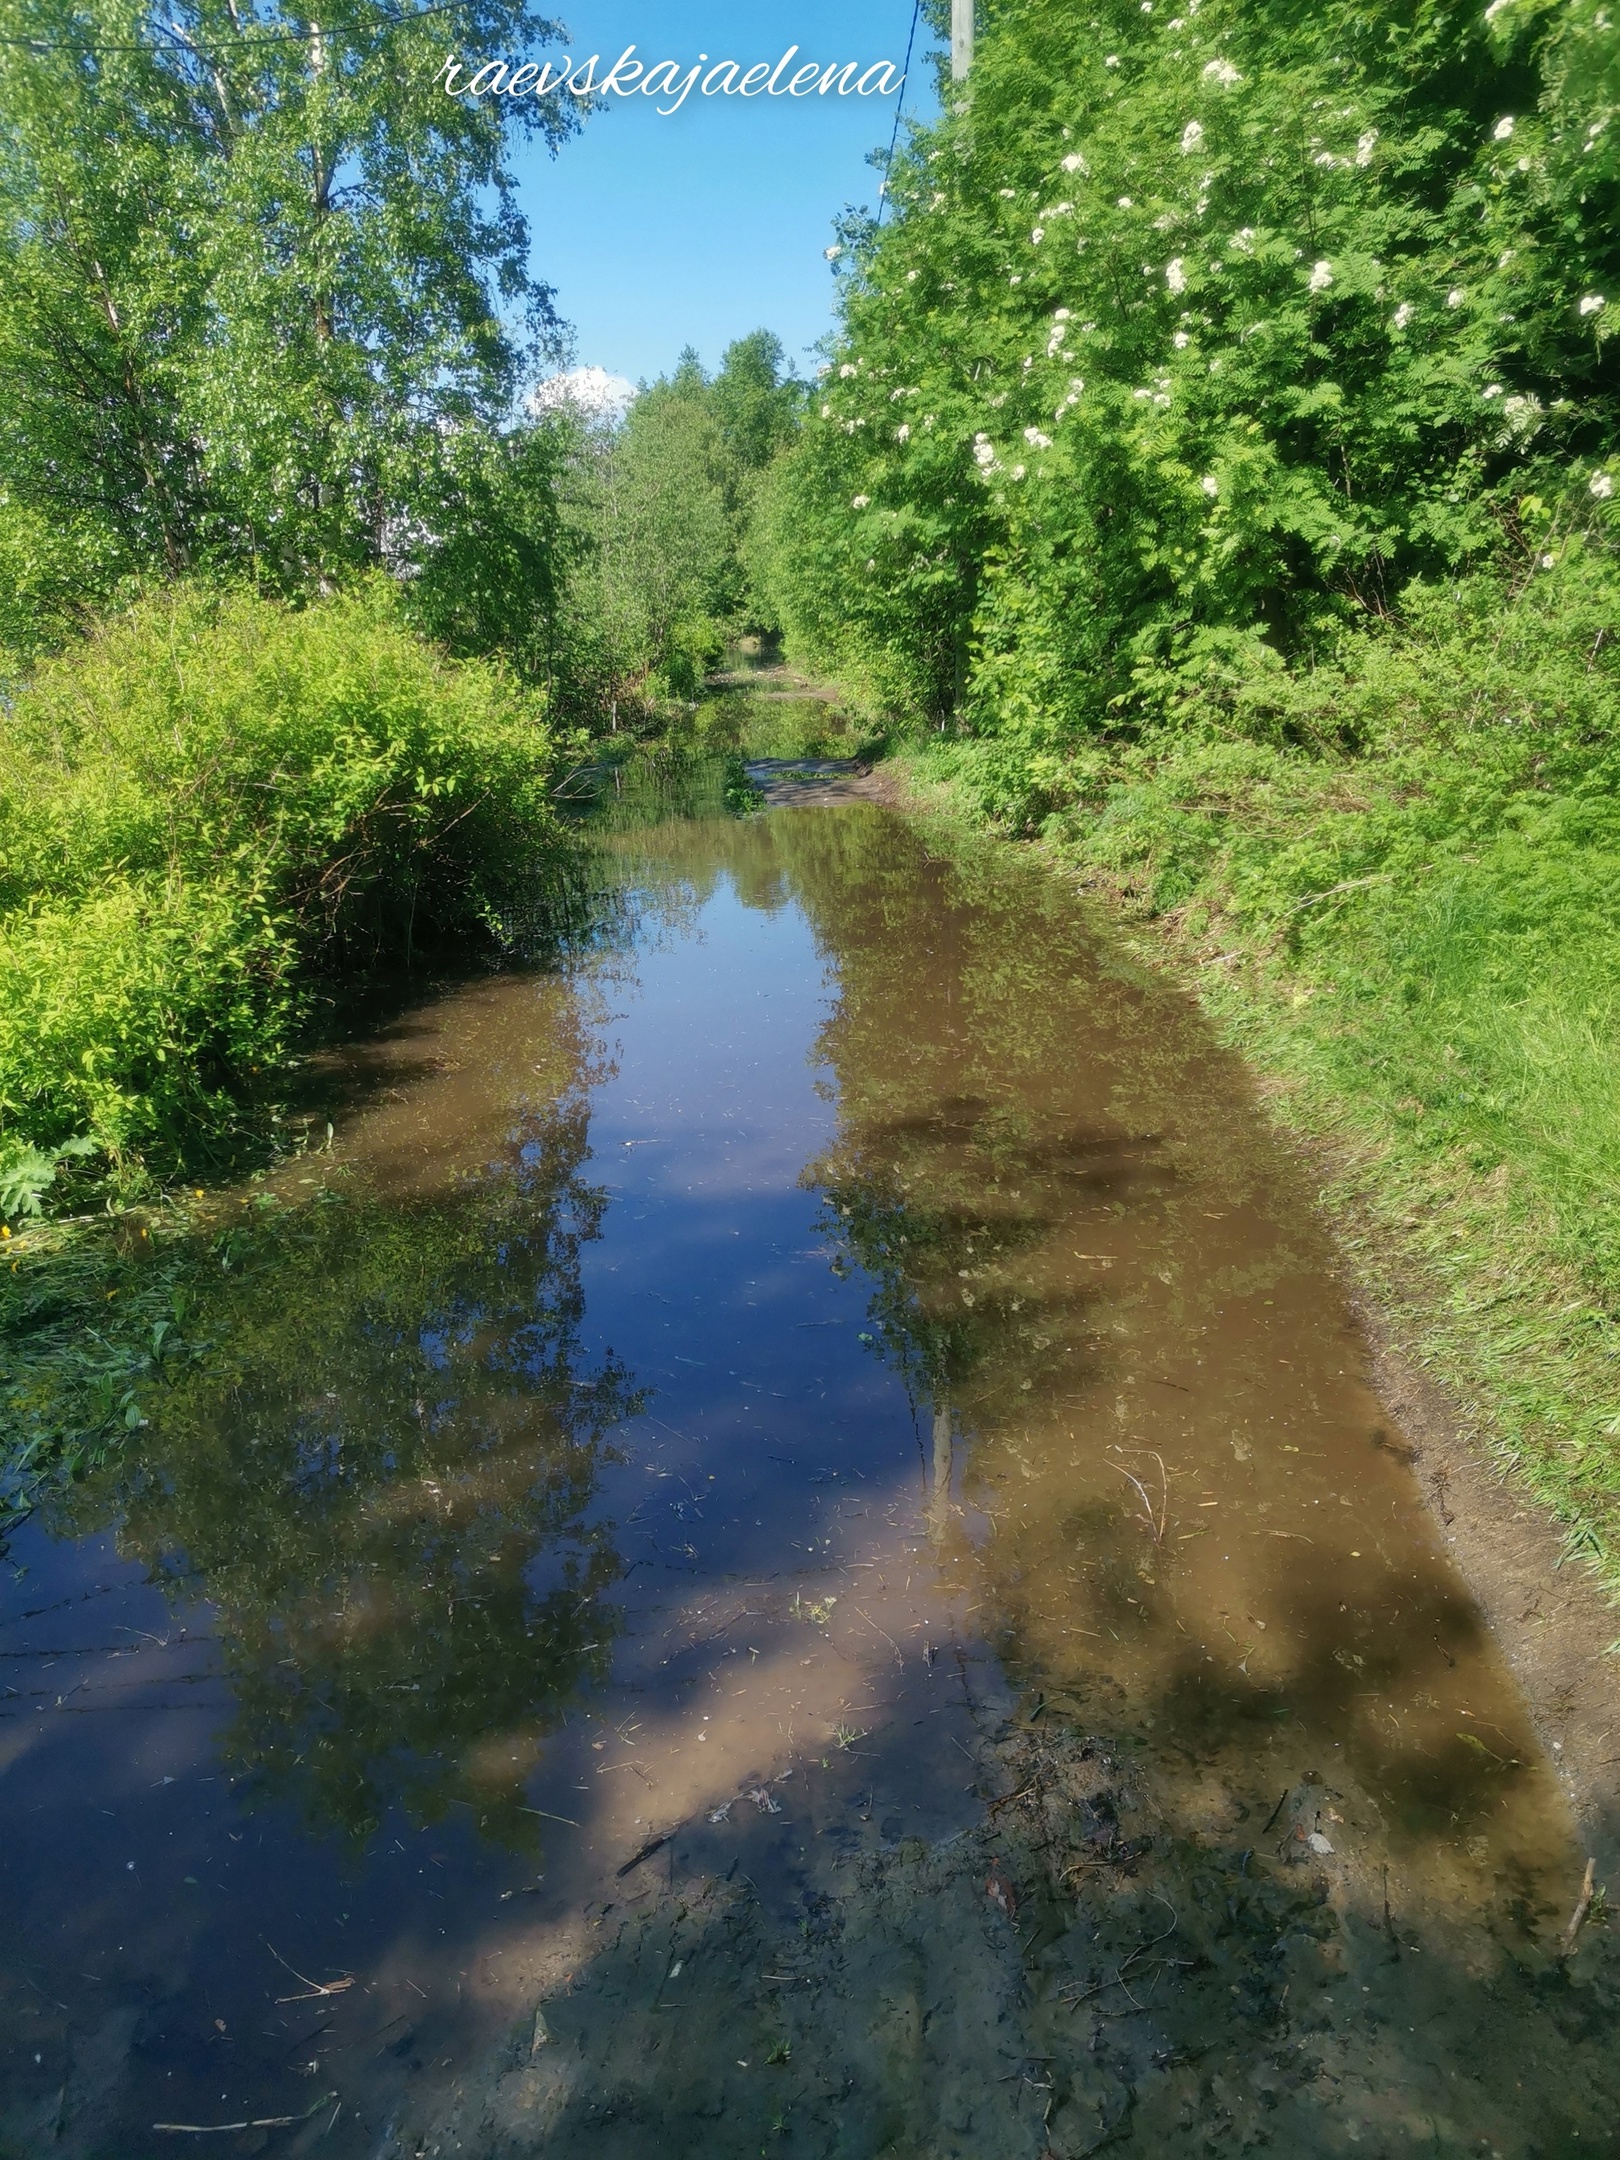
x: 125, y: 1016
x: 209, y: 801
x: 327, y: 760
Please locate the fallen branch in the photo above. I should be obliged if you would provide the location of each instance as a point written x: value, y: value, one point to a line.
x: 1583, y: 1905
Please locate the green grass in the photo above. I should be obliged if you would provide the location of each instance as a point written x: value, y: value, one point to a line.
x: 1396, y: 884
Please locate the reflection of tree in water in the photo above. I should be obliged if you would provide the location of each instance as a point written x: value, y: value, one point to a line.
x: 382, y: 1476
x: 1010, y: 1101
x: 956, y: 1155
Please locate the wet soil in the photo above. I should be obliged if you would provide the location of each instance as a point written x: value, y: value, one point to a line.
x: 1552, y: 1623
x: 789, y: 1547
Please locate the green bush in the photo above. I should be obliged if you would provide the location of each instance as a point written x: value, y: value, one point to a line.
x: 1196, y: 329
x: 213, y: 799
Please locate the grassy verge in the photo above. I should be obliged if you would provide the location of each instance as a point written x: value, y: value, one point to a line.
x: 1404, y: 906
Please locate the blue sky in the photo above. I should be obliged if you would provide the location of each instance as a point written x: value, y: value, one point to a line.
x: 695, y: 229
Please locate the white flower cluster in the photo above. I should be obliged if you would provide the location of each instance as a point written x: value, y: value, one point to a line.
x: 1321, y: 276
x: 1521, y: 417
x: 1192, y: 136
x: 1222, y: 72
x: 859, y: 502
x: 1074, y: 162
x: 1402, y: 315
x: 1593, y: 303
x: 1210, y: 485
x: 1601, y: 486
x: 1036, y: 440
x: 1503, y: 130
x: 1175, y: 274
x: 1365, y: 146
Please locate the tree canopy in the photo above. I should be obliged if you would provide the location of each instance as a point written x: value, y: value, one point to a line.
x: 265, y: 297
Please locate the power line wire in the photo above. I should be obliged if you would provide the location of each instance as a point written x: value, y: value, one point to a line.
x: 899, y: 108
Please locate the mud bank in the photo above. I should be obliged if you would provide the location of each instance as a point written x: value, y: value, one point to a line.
x: 1555, y: 1627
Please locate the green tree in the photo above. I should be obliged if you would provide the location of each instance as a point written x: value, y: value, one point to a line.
x: 668, y: 499
x: 264, y: 294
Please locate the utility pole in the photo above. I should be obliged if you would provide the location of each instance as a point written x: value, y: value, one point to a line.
x: 961, y: 39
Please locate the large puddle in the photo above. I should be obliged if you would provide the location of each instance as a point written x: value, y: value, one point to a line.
x: 798, y: 1492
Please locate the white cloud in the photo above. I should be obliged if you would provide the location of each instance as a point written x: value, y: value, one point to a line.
x: 590, y: 391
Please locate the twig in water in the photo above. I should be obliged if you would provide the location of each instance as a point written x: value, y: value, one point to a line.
x: 1155, y: 1523
x: 259, y: 2122
x: 1007, y: 1799
x: 1276, y: 1811
x: 1577, y: 1919
x: 888, y: 1638
x: 316, y: 1987
x: 652, y: 1845
x: 1141, y: 1950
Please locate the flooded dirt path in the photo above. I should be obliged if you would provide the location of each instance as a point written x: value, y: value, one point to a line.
x: 784, y: 1548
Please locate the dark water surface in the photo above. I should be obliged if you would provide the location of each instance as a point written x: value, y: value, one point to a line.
x: 698, y: 1387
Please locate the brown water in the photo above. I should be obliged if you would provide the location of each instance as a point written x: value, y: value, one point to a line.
x: 838, y: 1387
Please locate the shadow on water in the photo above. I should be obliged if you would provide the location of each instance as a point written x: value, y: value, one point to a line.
x: 799, y: 1492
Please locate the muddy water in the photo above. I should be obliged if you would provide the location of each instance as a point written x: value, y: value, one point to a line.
x: 796, y: 1497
